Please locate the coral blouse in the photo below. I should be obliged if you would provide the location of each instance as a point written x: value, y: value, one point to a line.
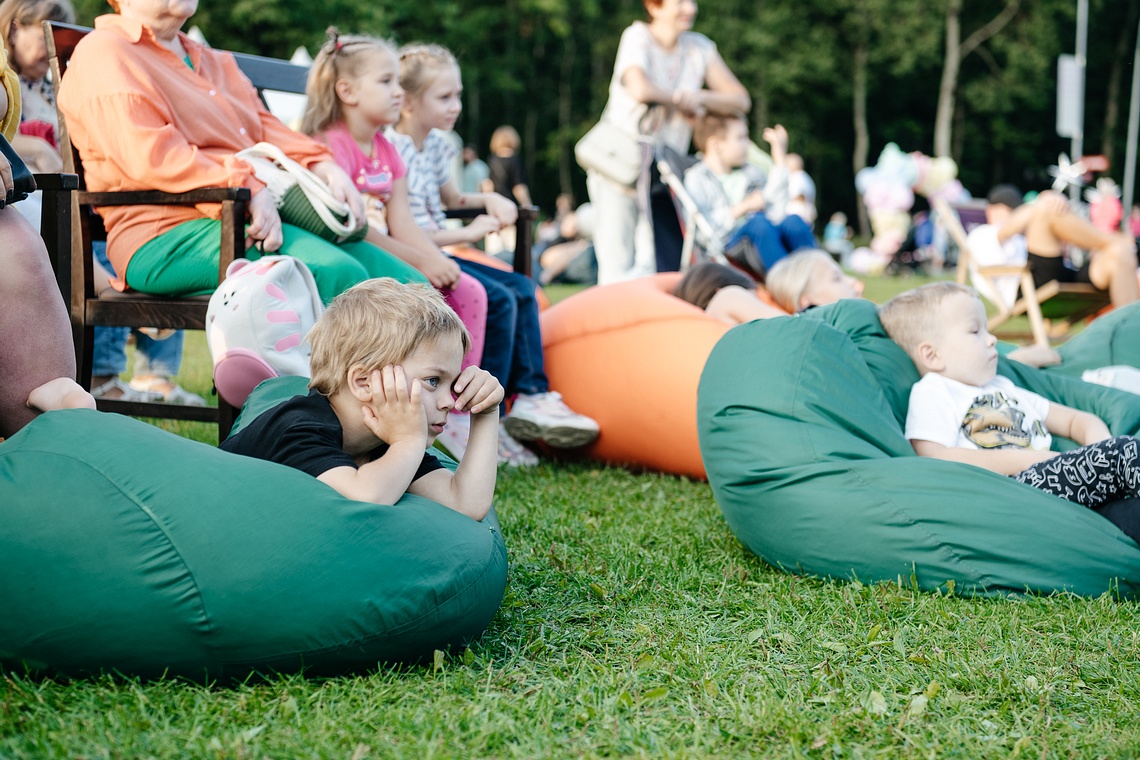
x: 144, y: 120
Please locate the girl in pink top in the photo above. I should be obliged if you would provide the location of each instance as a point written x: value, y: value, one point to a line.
x: 354, y: 92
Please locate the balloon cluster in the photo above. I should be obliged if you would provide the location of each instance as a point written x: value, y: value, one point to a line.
x: 888, y: 190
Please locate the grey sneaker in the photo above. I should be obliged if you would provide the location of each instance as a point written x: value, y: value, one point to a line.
x: 544, y: 417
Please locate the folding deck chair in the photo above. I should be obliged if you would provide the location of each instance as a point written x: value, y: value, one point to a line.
x: 1052, y: 309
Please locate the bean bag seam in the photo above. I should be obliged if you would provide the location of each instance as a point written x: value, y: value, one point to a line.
x: 201, y: 603
x: 390, y: 632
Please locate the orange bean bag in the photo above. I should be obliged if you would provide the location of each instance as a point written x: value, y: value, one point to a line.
x: 630, y: 355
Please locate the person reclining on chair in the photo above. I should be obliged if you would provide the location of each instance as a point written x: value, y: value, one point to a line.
x: 1038, y: 232
x: 737, y: 198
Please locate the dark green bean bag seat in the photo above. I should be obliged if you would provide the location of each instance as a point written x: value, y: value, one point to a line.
x: 1110, y: 340
x: 800, y: 422
x: 126, y: 548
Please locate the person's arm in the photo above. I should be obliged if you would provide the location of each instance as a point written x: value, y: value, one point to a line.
x: 725, y: 93
x: 735, y: 305
x: 749, y: 204
x: 471, y: 489
x: 37, y: 153
x: 497, y: 206
x: 1002, y: 461
x: 1082, y: 427
x: 395, y: 415
x: 342, y: 188
x: 407, y: 241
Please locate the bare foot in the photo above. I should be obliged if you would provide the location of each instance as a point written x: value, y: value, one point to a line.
x: 61, y: 393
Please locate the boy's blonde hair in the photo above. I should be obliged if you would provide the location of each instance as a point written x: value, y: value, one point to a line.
x: 420, y: 63
x: 789, y: 278
x: 342, y: 56
x: 913, y: 317
x: 375, y: 324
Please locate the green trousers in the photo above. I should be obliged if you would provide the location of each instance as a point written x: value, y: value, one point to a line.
x: 184, y: 261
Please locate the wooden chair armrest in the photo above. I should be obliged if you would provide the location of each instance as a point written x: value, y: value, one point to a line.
x: 56, y: 182
x: 524, y: 240
x: 158, y: 198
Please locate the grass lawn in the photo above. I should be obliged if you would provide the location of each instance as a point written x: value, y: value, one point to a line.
x: 636, y: 624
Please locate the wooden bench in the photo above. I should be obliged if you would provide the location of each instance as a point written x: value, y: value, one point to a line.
x: 71, y: 226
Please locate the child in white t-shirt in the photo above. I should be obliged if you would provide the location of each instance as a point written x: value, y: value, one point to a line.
x: 963, y: 411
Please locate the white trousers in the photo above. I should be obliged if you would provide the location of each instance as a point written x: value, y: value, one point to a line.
x: 623, y: 236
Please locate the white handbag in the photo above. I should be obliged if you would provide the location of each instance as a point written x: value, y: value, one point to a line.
x: 301, y: 197
x: 609, y: 151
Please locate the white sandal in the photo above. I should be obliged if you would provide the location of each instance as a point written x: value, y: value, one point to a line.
x: 127, y: 393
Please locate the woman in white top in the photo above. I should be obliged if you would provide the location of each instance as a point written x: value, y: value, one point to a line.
x: 660, y: 63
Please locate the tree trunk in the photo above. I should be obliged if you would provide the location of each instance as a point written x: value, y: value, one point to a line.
x: 1115, y: 76
x: 948, y: 87
x: 565, y: 107
x: 862, y: 133
x: 956, y: 52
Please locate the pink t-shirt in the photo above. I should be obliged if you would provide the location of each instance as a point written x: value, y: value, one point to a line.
x: 373, y: 174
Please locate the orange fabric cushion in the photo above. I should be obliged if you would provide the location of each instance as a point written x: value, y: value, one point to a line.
x: 630, y: 355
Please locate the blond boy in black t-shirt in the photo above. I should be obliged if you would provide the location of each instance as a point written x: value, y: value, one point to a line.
x: 385, y: 373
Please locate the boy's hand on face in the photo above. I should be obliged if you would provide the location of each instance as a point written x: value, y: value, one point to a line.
x: 477, y: 391
x: 395, y: 413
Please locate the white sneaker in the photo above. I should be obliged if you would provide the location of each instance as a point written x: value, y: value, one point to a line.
x: 512, y: 453
x: 544, y: 417
x: 455, y: 433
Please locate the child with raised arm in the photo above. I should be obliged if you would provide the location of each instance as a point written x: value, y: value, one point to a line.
x: 737, y: 198
x: 512, y: 353
x: 963, y: 411
x: 385, y: 373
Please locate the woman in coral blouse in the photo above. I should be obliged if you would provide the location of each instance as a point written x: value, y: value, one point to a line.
x: 150, y: 109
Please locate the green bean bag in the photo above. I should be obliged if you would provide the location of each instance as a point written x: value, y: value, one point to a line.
x: 1110, y: 340
x: 128, y: 549
x: 800, y: 423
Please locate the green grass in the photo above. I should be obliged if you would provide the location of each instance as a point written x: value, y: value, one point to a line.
x: 636, y: 624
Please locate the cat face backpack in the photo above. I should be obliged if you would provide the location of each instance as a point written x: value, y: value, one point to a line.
x: 257, y: 321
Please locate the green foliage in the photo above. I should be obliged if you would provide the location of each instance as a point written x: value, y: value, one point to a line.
x: 544, y: 66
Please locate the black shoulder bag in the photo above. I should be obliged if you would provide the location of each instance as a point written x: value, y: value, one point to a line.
x: 22, y: 181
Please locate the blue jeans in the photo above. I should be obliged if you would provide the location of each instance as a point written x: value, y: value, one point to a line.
x: 512, y: 351
x: 774, y: 241
x: 152, y: 357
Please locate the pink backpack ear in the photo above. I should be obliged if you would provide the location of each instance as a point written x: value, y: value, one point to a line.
x: 236, y: 266
x: 238, y: 372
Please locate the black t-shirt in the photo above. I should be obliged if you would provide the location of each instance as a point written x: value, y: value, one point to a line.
x: 505, y: 173
x: 304, y: 433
